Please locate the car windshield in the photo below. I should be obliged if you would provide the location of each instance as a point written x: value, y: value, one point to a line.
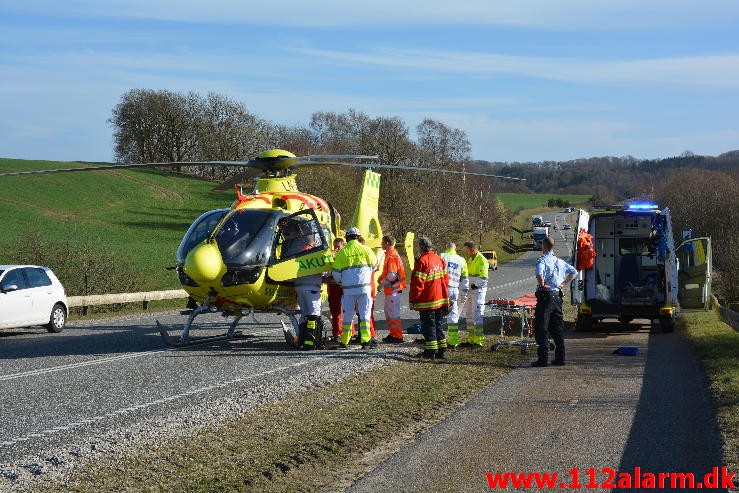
x: 487, y: 255
x: 246, y: 236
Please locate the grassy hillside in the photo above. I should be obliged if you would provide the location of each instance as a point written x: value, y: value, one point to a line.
x: 137, y: 217
x: 516, y: 201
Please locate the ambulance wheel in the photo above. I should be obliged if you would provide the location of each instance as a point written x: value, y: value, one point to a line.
x: 625, y: 320
x: 667, y: 324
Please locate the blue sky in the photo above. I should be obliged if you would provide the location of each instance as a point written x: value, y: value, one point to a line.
x: 526, y: 80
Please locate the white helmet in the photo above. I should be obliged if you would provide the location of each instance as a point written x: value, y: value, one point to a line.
x: 353, y: 231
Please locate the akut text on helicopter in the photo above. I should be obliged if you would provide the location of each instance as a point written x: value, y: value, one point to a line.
x: 232, y: 260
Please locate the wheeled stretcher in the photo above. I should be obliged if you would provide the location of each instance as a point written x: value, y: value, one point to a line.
x: 518, y: 312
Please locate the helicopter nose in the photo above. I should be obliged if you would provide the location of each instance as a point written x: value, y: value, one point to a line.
x: 204, y: 263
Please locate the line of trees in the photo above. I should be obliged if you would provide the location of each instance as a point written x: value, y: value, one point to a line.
x: 708, y: 203
x: 163, y: 126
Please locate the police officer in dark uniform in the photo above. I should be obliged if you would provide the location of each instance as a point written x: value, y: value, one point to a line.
x: 552, y: 274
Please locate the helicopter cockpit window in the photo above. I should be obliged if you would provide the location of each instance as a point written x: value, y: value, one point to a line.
x: 245, y: 237
x: 198, y: 231
x: 298, y: 235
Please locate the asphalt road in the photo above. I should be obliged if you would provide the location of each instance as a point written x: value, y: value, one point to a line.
x: 601, y: 411
x: 59, y: 392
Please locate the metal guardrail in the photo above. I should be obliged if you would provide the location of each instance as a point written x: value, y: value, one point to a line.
x: 729, y: 317
x: 108, y: 299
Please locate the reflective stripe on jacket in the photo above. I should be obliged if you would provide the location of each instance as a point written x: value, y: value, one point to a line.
x: 456, y: 267
x: 353, y: 268
x: 393, y: 272
x: 429, y: 283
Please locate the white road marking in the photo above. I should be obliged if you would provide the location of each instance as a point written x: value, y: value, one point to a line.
x: 136, y: 407
x: 81, y: 364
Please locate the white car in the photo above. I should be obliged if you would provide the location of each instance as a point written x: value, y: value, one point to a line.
x: 31, y: 295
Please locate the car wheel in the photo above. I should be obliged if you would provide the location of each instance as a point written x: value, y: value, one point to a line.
x: 667, y: 324
x: 57, y: 319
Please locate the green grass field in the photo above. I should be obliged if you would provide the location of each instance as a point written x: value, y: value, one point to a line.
x: 138, y: 217
x: 516, y: 201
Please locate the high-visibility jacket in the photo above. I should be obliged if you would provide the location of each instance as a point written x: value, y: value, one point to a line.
x: 456, y: 268
x: 392, y: 278
x: 585, y: 251
x: 477, y: 266
x: 429, y: 282
x: 353, y: 268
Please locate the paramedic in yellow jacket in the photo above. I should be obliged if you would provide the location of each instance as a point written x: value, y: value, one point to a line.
x: 477, y: 268
x: 352, y: 270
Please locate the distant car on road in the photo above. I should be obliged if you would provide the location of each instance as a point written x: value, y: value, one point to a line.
x: 566, y: 226
x: 31, y: 295
x: 492, y: 258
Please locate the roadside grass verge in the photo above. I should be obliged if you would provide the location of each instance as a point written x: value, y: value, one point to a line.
x: 717, y: 347
x: 314, y: 440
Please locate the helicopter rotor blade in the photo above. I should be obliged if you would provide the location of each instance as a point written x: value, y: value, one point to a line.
x: 265, y: 165
x: 175, y: 164
x: 398, y: 167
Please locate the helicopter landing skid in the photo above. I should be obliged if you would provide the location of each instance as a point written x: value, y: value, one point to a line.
x: 192, y: 341
x: 185, y: 340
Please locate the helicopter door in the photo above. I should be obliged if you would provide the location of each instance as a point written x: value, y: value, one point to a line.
x: 301, y: 247
x: 577, y: 286
x: 694, y: 273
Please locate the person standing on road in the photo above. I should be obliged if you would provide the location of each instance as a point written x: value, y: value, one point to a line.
x: 380, y: 258
x: 334, y: 296
x: 299, y: 239
x: 429, y: 296
x: 392, y: 280
x: 353, y: 271
x: 552, y: 274
x: 459, y: 285
x: 477, y: 267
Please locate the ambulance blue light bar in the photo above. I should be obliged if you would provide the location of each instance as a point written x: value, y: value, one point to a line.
x: 642, y: 206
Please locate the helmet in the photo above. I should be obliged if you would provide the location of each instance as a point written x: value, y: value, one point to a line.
x: 353, y: 231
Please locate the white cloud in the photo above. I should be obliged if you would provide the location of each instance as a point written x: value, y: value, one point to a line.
x: 707, y: 71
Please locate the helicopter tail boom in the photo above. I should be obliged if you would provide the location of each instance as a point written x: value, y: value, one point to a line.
x: 366, y: 214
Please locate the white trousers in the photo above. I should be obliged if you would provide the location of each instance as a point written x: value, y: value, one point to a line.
x: 309, y: 301
x: 476, y: 302
x: 457, y: 300
x: 356, y: 303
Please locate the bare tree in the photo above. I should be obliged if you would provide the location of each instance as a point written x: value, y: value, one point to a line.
x: 156, y: 126
x: 708, y: 203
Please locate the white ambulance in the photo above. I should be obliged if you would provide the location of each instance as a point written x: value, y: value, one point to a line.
x: 637, y: 271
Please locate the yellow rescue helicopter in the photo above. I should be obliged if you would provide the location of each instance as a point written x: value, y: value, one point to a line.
x: 235, y: 261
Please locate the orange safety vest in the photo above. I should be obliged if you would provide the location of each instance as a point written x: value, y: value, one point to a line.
x: 393, y: 263
x: 585, y: 250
